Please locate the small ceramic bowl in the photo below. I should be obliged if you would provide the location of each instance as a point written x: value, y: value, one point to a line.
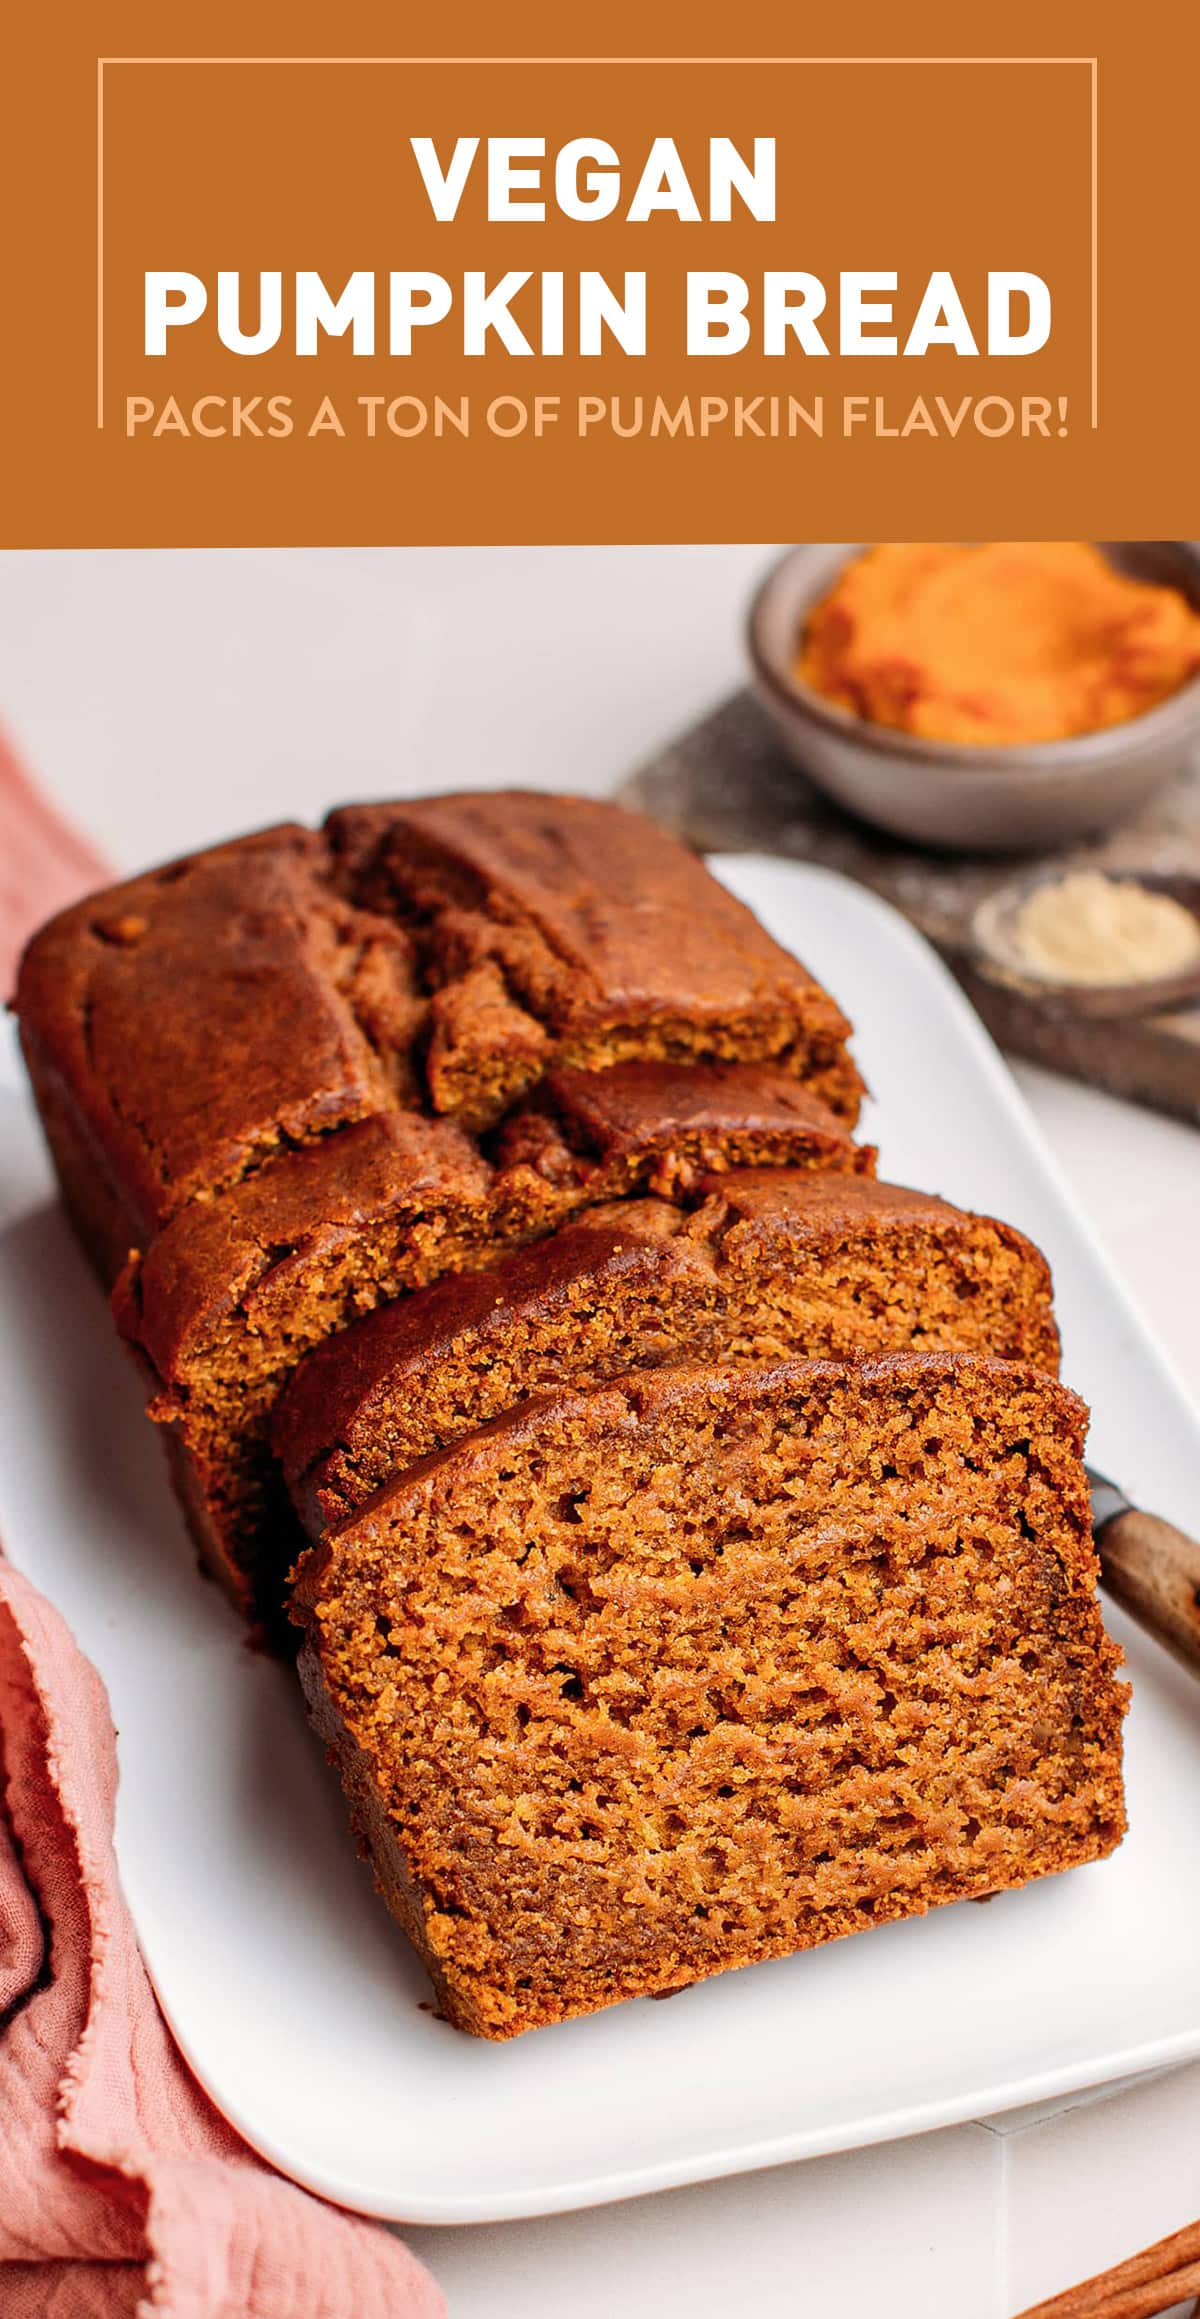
x: 959, y: 797
x: 995, y: 953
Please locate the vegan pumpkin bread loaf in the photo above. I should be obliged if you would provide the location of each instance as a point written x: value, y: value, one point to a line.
x: 771, y: 1263
x: 288, y: 1078
x: 713, y: 1663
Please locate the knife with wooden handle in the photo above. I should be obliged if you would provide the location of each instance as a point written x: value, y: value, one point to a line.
x: 1150, y: 1568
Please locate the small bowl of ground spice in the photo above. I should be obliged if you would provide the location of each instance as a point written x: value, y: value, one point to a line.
x: 1085, y: 941
x: 993, y: 696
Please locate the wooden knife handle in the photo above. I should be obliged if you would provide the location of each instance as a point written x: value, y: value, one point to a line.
x: 1153, y: 1571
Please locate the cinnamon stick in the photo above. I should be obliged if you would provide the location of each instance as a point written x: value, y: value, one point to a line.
x: 1162, y: 2275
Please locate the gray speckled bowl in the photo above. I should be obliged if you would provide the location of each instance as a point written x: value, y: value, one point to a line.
x: 947, y: 794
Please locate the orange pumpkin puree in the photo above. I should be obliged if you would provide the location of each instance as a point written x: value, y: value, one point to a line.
x: 1025, y: 640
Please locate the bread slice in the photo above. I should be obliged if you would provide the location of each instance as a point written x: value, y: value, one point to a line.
x: 771, y: 1263
x: 712, y: 1664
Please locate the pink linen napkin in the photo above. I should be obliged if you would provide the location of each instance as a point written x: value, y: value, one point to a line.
x: 44, y: 863
x: 123, y: 2193
x: 121, y: 2189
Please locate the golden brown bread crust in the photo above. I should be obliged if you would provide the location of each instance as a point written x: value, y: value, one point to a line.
x: 210, y: 1014
x: 201, y: 1016
x: 266, y: 1073
x: 709, y: 1664
x: 770, y: 1262
x: 586, y: 935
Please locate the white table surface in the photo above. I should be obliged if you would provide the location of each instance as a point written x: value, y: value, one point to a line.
x: 168, y: 698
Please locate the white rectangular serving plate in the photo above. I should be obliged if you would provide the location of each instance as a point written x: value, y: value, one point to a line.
x: 294, y: 1997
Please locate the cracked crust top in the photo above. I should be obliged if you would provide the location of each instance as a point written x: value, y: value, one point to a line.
x: 427, y: 959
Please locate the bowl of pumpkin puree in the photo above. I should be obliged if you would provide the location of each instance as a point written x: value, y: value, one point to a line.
x: 989, y: 695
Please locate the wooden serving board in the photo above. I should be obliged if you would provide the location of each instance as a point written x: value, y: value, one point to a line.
x: 726, y: 787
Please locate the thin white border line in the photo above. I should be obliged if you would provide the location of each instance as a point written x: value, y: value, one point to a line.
x: 1095, y: 67
x: 1092, y: 62
x: 423, y: 59
x: 100, y: 64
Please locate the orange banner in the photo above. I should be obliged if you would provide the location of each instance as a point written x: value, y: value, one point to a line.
x: 381, y: 296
